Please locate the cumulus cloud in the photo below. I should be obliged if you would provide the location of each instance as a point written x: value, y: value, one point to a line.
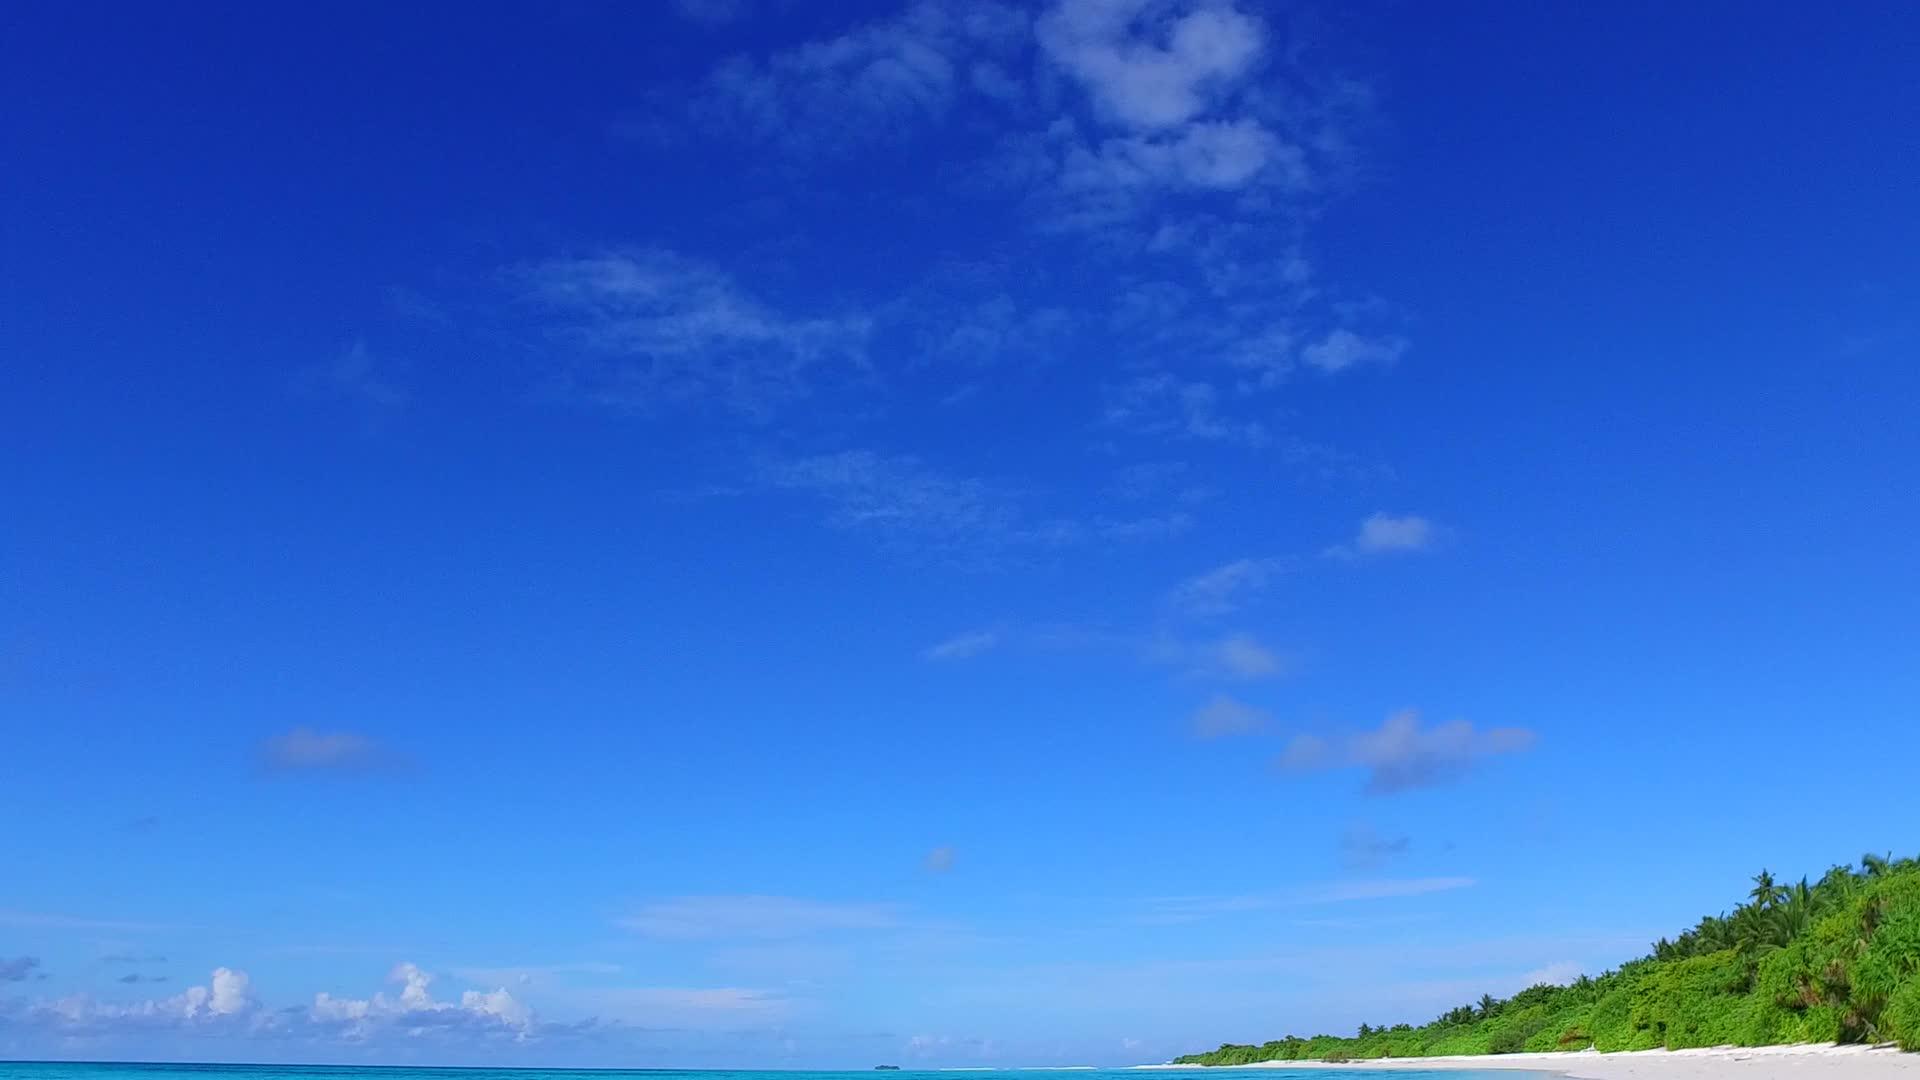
x: 1224, y: 716
x: 1402, y: 754
x: 962, y: 646
x: 414, y: 1007
x: 1227, y: 587
x: 306, y: 750
x: 226, y: 1002
x: 761, y: 917
x: 225, y: 1007
x: 1149, y: 72
x: 663, y: 329
x: 1382, y: 534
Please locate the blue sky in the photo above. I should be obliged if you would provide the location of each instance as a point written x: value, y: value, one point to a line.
x: 733, y: 534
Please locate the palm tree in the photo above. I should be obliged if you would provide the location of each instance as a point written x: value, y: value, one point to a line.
x: 1876, y: 866
x: 1765, y: 892
x: 1487, y: 1005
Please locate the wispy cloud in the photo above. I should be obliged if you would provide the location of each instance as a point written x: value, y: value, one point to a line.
x: 963, y: 646
x: 1177, y: 407
x: 1236, y: 657
x: 711, y: 12
x: 356, y: 375
x: 1224, y: 716
x: 761, y: 917
x: 1402, y: 754
x: 869, y: 82
x: 1228, y: 587
x: 1365, y: 847
x: 660, y: 329
x: 59, y: 921
x: 1384, y: 534
x: 535, y: 974
x: 1179, y: 909
x: 1342, y: 349
x: 905, y: 503
x: 18, y: 968
x: 940, y: 859
x: 304, y: 750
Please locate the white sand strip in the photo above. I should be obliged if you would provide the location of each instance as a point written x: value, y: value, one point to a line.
x: 1816, y: 1062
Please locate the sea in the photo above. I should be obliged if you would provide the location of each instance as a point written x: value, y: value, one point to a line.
x: 50, y: 1070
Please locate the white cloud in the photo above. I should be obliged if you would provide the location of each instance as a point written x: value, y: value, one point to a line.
x: 1145, y: 70
x: 1170, y: 405
x: 1224, y: 716
x: 1239, y: 657
x: 1557, y: 974
x: 1242, y: 657
x: 1382, y: 534
x: 670, y: 330
x: 58, y: 921
x: 306, y: 750
x: 534, y: 974
x: 756, y: 917
x: 1223, y: 154
x: 867, y: 82
x: 415, y: 1008
x: 904, y: 502
x: 356, y: 375
x: 1227, y: 587
x: 1383, y: 889
x: 1402, y: 754
x: 649, y: 1000
x: 226, y: 1002
x: 962, y: 646
x: 1181, y: 909
x: 1343, y: 349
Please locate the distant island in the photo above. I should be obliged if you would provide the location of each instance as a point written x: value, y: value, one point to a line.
x: 886, y: 1068
x: 1834, y: 961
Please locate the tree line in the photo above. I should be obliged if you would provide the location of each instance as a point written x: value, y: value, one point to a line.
x: 1833, y: 960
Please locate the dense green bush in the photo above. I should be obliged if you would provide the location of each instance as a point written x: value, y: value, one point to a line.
x: 1834, y: 961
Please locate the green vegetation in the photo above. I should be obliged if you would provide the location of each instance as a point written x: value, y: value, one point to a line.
x: 1833, y: 961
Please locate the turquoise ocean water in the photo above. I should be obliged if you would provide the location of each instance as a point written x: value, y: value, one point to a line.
x: 126, y: 1071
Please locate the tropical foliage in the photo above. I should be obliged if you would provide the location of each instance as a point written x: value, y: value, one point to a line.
x: 1836, y: 960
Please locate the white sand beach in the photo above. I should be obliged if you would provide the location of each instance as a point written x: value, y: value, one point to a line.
x: 1817, y: 1062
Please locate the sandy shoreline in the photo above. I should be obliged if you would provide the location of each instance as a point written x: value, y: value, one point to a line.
x: 1719, y: 1063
